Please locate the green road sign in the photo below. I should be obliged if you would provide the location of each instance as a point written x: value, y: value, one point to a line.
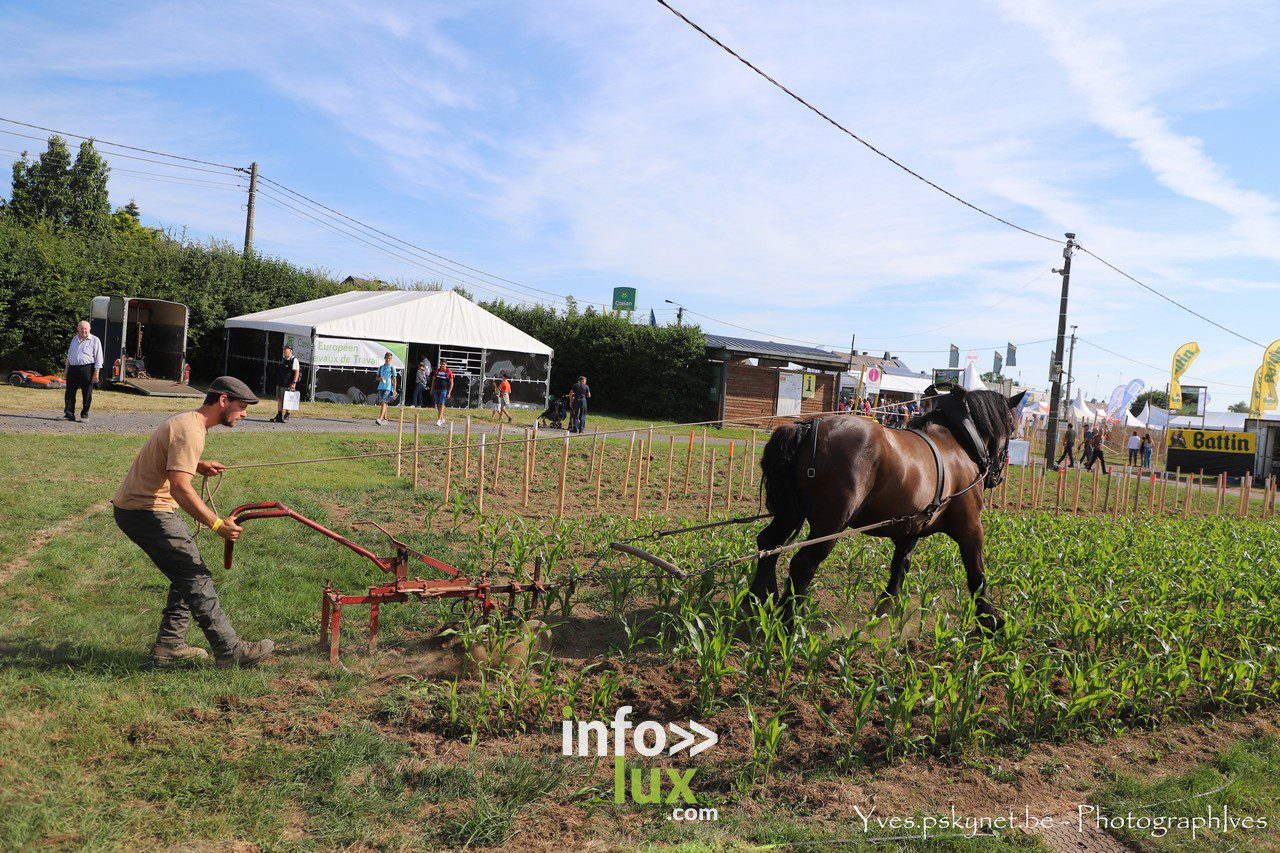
x: 624, y: 299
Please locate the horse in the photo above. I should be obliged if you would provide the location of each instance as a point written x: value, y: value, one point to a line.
x: 845, y: 471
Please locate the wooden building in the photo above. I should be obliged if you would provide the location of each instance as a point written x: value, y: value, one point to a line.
x: 767, y: 380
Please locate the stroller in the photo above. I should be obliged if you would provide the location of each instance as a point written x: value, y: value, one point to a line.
x: 556, y: 413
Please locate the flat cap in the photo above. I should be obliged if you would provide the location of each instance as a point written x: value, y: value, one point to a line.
x: 233, y: 388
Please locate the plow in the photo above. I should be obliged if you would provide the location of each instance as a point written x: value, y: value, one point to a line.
x: 481, y: 592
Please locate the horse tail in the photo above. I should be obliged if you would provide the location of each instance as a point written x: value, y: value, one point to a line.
x: 778, y: 468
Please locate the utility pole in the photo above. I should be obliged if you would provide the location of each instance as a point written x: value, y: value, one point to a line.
x: 1055, y: 393
x: 248, y: 221
x: 679, y: 311
x: 1071, y: 360
x: 853, y: 339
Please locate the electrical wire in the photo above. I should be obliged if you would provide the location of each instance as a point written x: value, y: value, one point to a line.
x: 109, y: 154
x: 121, y: 145
x: 419, y: 249
x: 1157, y: 369
x: 838, y: 126
x: 1168, y: 299
x: 1002, y: 299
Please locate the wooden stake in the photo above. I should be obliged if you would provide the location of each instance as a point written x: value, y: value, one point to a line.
x: 648, y: 468
x: 1075, y: 498
x: 1062, y: 487
x: 711, y: 483
x: 702, y: 457
x: 1244, y: 494
x: 666, y: 495
x: 448, y: 465
x: 688, y: 464
x: 1164, y: 483
x: 600, y: 472
x: 1189, y: 496
x: 635, y: 497
x: 415, y: 451
x: 1151, y: 495
x: 564, y: 471
x: 626, y: 477
x: 480, y: 480
x: 528, y: 462
x: 400, y: 442
x: 1093, y: 504
x: 497, y: 458
x: 1220, y: 488
x: 1022, y: 481
x: 466, y: 450
x: 728, y: 482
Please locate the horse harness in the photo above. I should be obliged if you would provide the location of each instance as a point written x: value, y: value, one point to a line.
x: 956, y: 412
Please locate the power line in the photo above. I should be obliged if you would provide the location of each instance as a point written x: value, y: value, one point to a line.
x: 838, y: 126
x: 277, y: 202
x: 395, y: 252
x: 110, y: 154
x: 1002, y: 299
x: 417, y: 248
x: 1153, y: 367
x: 120, y: 144
x: 1168, y: 299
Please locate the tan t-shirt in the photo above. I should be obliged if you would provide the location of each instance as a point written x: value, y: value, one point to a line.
x: 175, y: 446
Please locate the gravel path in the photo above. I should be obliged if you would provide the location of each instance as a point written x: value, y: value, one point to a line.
x: 143, y: 423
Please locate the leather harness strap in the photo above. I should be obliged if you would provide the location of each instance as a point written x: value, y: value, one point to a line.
x: 942, y: 471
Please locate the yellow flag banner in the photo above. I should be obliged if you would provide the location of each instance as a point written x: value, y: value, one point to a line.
x: 1270, y: 368
x: 1255, y: 396
x: 1181, y: 361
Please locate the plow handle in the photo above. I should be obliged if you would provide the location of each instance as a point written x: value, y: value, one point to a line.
x: 669, y: 568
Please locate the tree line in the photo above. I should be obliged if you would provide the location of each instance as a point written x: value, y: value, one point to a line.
x: 61, y: 244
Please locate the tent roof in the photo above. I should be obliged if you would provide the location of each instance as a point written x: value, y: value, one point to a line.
x: 418, y: 317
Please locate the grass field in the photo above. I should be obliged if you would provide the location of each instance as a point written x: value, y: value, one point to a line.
x: 1125, y: 634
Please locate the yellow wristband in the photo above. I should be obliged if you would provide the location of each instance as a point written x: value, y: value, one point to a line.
x: 217, y: 522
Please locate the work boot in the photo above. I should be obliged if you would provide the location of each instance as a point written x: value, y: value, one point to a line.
x: 166, y: 655
x: 246, y: 654
x: 285, y: 416
x: 277, y: 419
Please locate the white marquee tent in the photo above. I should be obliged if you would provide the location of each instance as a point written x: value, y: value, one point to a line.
x: 342, y: 339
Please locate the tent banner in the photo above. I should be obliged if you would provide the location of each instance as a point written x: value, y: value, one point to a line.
x: 345, y: 352
x: 301, y: 345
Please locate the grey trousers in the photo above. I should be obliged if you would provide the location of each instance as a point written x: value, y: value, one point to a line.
x: 165, y: 538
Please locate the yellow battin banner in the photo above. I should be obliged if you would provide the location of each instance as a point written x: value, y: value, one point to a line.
x: 1212, y: 441
x: 1265, y: 397
x: 1181, y: 361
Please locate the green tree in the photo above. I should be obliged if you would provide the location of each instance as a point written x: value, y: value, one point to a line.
x: 1242, y: 406
x: 132, y: 210
x: 42, y: 189
x: 90, y: 210
x: 1159, y: 399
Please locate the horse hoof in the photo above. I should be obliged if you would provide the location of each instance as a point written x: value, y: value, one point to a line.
x: 884, y: 607
x: 990, y: 623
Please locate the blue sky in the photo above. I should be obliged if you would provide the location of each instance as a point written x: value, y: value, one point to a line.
x: 576, y: 146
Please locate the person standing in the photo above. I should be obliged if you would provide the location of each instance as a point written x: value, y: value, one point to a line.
x: 578, y: 396
x: 421, y: 381
x: 1135, y: 446
x: 1099, y: 452
x: 387, y: 380
x: 1145, y: 449
x: 504, y: 398
x: 84, y: 361
x: 1086, y: 447
x: 287, y: 373
x: 1068, y: 446
x: 441, y: 389
x: 146, y: 510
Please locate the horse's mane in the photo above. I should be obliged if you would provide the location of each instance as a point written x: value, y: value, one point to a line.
x: 988, y: 409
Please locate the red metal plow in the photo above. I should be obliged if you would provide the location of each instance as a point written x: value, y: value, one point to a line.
x: 481, y: 593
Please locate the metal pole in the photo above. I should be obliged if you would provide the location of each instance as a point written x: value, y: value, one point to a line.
x: 1055, y: 394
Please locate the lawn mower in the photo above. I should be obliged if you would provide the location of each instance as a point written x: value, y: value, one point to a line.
x: 31, y: 379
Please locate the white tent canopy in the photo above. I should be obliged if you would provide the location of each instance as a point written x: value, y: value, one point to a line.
x: 970, y: 380
x: 423, y: 317
x: 1160, y: 419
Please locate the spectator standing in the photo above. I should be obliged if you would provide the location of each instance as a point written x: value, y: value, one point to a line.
x: 1068, y: 446
x: 84, y: 361
x: 1099, y: 454
x: 1146, y: 449
x: 503, y: 388
x: 578, y: 396
x: 287, y: 373
x: 1134, y: 445
x: 146, y: 510
x: 1086, y: 447
x: 441, y: 389
x: 422, y: 381
x: 387, y: 376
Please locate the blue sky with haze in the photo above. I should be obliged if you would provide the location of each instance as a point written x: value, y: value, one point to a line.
x: 575, y: 146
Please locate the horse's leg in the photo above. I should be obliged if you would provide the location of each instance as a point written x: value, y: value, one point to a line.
x: 902, y: 549
x: 777, y: 531
x: 969, y: 536
x: 801, y: 571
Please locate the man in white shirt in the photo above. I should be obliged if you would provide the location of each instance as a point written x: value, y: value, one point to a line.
x: 1134, y: 445
x: 84, y: 360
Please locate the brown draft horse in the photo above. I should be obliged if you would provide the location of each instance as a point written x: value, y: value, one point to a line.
x: 863, y: 473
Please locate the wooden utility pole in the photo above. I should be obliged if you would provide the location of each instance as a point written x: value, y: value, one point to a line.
x: 248, y: 218
x: 1055, y: 393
